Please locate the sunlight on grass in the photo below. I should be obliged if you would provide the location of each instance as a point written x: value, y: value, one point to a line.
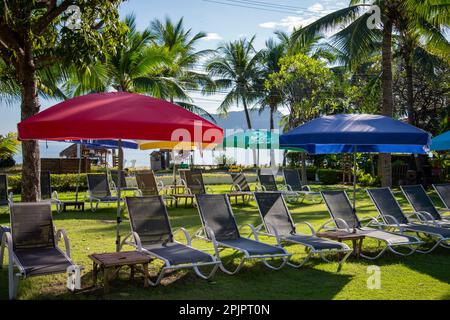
x: 414, y: 277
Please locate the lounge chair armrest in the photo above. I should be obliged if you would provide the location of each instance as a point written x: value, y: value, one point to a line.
x: 186, y: 235
x: 62, y: 233
x: 425, y: 217
x: 275, y: 233
x: 370, y: 220
x: 138, y: 193
x: 288, y: 187
x: 313, y: 232
x: 325, y: 224
x: 390, y: 218
x: 55, y: 195
x: 212, y: 237
x: 11, y: 198
x: 137, y: 241
x: 235, y: 187
x: 306, y: 188
x: 334, y: 220
x: 255, y: 234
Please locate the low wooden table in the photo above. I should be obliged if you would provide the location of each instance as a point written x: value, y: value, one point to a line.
x: 111, y: 263
x: 76, y: 204
x: 356, y: 239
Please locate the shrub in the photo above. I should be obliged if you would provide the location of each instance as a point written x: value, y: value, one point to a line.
x: 7, y: 162
x: 367, y: 180
x: 60, y: 182
x: 311, y: 173
x: 329, y: 176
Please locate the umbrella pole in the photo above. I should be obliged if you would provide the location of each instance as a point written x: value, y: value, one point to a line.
x: 79, y: 172
x: 354, y: 179
x: 119, y: 194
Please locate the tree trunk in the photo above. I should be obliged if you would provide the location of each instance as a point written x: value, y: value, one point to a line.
x: 272, y: 128
x: 249, y: 125
x: 31, y: 165
x: 409, y: 85
x: 388, y: 101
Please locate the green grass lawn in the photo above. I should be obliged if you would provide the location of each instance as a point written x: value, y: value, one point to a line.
x: 414, y: 277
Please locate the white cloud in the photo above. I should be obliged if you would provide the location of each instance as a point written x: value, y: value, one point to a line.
x: 317, y: 7
x: 289, y: 23
x: 212, y: 36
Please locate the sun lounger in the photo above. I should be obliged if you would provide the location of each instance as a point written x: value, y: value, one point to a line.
x: 192, y: 180
x: 443, y: 191
x: 219, y: 227
x: 423, y: 207
x: 32, y: 245
x: 344, y: 218
x: 294, y: 183
x: 151, y: 233
x: 47, y: 192
x: 147, y: 186
x: 278, y: 223
x: 99, y: 191
x: 392, y: 216
x: 240, y: 187
x: 267, y: 183
x: 115, y: 181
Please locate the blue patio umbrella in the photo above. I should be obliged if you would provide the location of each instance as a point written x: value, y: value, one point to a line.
x: 352, y: 133
x: 441, y: 142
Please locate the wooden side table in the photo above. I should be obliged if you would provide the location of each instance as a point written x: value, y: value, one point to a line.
x: 111, y: 263
x: 79, y: 205
x: 355, y: 238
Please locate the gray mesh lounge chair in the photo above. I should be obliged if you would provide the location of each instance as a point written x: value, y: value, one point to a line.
x: 115, y: 181
x: 4, y: 196
x: 344, y: 218
x: 393, y: 217
x: 99, y: 191
x: 147, y: 186
x: 192, y: 180
x: 278, y: 223
x: 424, y: 207
x: 240, y: 187
x: 294, y: 183
x: 46, y: 191
x: 33, y: 244
x: 219, y: 227
x: 152, y: 234
x: 268, y: 183
x: 443, y: 191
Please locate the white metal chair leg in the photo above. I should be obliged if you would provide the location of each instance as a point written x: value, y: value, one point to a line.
x: 412, y: 250
x: 207, y: 276
x: 238, y: 268
x: 298, y: 265
x: 159, y: 278
x: 268, y: 265
x: 376, y: 256
x: 431, y: 249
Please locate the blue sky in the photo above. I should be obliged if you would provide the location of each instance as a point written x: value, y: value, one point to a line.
x: 222, y: 22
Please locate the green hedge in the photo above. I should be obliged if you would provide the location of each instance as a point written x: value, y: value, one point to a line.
x: 60, y: 182
x: 329, y: 176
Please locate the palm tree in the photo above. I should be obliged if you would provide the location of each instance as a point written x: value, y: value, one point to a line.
x: 358, y: 40
x: 236, y: 67
x: 147, y: 63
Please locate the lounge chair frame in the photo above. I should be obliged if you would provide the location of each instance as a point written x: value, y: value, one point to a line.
x: 426, y: 217
x: 109, y: 198
x: 346, y: 251
x: 389, y: 245
x: 390, y: 222
x: 236, y: 189
x: 13, y: 261
x: 306, y: 193
x: 136, y: 243
x: 158, y: 187
x: 53, y: 194
x: 206, y: 233
x: 291, y: 196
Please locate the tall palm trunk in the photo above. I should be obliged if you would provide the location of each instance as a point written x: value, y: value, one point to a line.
x: 249, y: 125
x: 408, y: 60
x: 272, y: 128
x: 388, y: 102
x: 31, y: 165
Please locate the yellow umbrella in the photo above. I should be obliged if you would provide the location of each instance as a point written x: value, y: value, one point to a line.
x: 171, y: 145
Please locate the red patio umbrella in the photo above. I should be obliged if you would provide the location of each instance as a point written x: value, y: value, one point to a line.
x: 118, y: 116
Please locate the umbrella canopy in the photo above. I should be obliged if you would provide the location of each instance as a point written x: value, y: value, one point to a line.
x: 252, y: 139
x: 441, y: 142
x: 118, y: 115
x: 369, y: 133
